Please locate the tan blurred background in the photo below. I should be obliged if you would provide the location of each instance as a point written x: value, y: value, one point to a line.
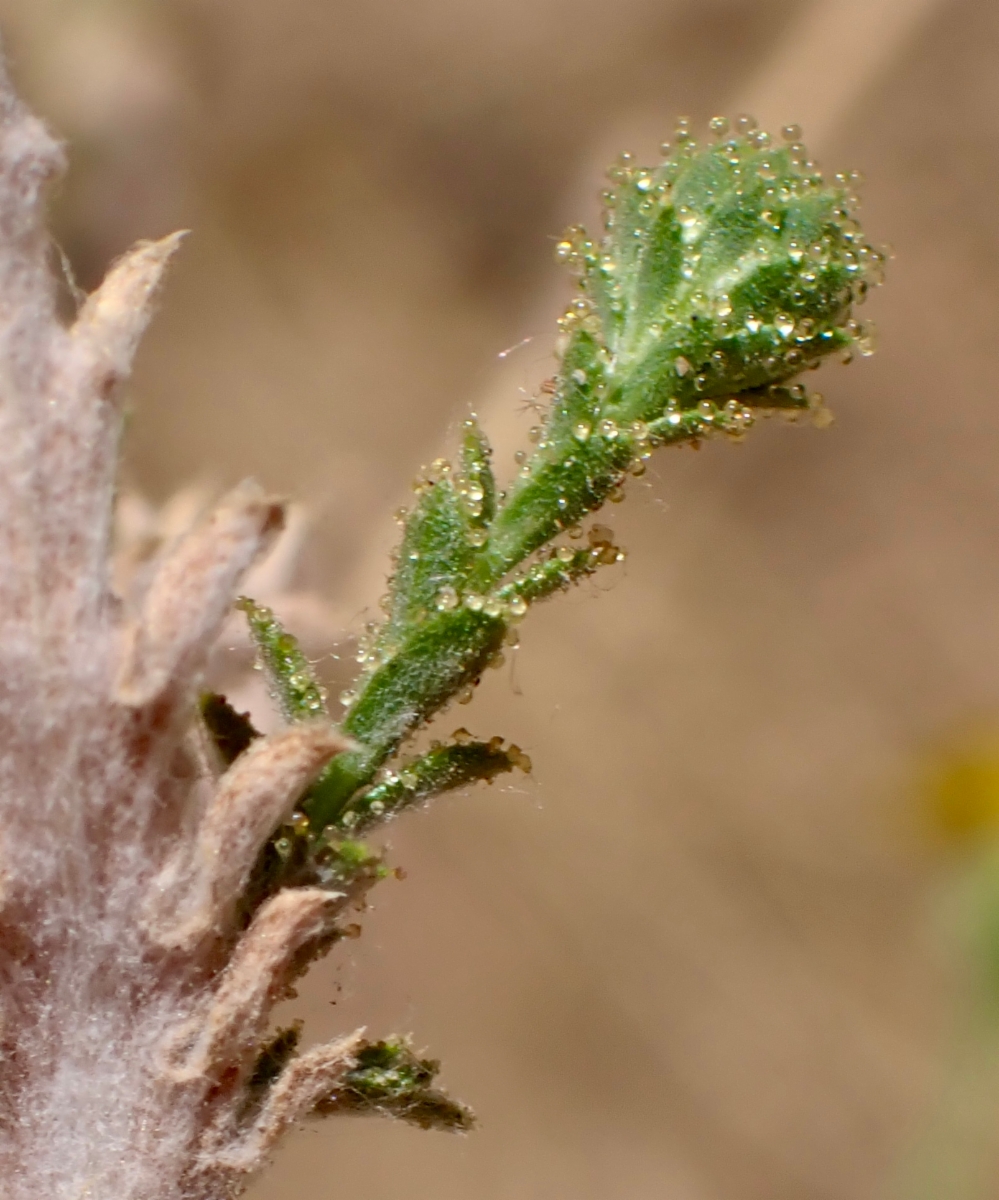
x: 704, y: 954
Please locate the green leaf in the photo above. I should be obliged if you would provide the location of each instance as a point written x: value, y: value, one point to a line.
x: 477, y: 486
x: 390, y: 1080
x: 564, y: 567
x: 442, y: 769
x: 435, y: 557
x: 441, y: 657
x: 290, y: 677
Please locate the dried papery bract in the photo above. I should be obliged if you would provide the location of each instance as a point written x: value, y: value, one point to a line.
x: 199, y: 895
x: 166, y: 873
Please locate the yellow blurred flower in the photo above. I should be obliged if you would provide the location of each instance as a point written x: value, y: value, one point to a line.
x: 961, y: 786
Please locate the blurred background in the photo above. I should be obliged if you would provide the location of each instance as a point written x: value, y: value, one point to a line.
x: 733, y: 941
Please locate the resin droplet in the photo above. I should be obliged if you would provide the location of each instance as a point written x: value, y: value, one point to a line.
x: 447, y: 599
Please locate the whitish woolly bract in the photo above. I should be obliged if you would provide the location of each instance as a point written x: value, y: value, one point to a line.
x: 134, y: 992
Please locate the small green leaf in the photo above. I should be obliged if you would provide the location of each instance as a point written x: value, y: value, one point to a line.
x: 477, y: 486
x: 440, y: 770
x: 433, y: 560
x: 390, y: 1080
x: 559, y: 572
x: 290, y: 677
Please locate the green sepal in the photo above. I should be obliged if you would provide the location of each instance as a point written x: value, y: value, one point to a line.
x: 390, y: 1080
x: 440, y: 770
x: 290, y: 677
x: 231, y: 732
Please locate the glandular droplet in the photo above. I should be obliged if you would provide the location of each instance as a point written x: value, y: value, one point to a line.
x: 447, y: 600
